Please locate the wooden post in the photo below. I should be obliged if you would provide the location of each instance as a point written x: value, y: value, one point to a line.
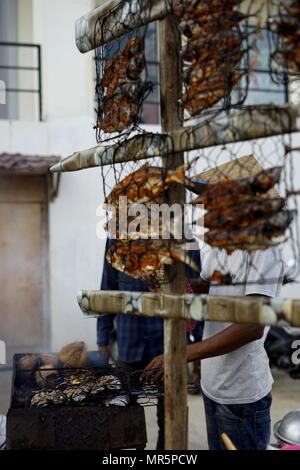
x: 175, y: 379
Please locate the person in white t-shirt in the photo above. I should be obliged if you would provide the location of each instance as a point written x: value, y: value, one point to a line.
x: 235, y: 375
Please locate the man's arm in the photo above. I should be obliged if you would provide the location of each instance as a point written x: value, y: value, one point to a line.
x: 228, y: 340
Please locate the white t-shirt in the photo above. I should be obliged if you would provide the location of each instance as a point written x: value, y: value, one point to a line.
x: 243, y: 375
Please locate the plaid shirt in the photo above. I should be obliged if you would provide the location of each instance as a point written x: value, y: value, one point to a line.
x: 138, y: 338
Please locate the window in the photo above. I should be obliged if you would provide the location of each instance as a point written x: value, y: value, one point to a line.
x: 262, y: 89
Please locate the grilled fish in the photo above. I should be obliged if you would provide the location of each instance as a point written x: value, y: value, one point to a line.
x: 230, y: 192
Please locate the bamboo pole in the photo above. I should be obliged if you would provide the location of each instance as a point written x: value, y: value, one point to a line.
x: 146, y: 145
x: 112, y: 19
x: 246, y: 124
x: 252, y: 309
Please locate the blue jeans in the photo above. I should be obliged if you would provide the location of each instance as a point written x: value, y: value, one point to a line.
x: 247, y: 425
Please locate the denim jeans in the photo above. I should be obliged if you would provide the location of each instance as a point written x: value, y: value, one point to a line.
x: 247, y: 425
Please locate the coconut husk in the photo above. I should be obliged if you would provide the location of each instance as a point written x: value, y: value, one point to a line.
x: 74, y: 354
x: 26, y: 366
x: 43, y: 373
x: 46, y: 359
x: 242, y: 167
x: 28, y: 362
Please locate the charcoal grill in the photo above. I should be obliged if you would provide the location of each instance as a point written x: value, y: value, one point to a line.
x: 89, y: 426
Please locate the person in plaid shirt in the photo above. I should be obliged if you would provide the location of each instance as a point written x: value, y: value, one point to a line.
x: 139, y: 339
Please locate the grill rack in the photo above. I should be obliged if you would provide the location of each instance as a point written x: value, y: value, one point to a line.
x: 145, y: 394
x: 136, y: 391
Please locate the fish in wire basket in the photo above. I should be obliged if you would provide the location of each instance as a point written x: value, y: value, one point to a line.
x: 123, y: 89
x: 287, y: 27
x: 229, y: 192
x: 214, y: 48
x: 146, y: 184
x: 242, y: 214
x: 257, y: 236
x: 142, y: 258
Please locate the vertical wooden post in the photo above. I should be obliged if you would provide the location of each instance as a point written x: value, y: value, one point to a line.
x: 175, y: 381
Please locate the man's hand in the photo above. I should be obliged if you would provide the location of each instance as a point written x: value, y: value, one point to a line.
x: 199, y: 286
x: 154, y: 370
x: 104, y: 351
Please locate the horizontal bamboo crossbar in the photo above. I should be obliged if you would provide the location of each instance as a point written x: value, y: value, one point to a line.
x: 115, y: 18
x: 246, y: 124
x: 252, y: 309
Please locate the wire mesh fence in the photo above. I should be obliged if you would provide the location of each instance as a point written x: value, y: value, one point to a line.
x: 236, y: 57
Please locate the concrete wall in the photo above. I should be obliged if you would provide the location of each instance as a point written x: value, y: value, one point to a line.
x: 68, y: 91
x: 75, y: 252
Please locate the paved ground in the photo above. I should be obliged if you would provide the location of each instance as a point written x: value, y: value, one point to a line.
x: 286, y: 396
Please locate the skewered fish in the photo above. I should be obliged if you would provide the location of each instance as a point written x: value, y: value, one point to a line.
x: 120, y: 116
x: 252, y: 237
x: 124, y: 89
x: 242, y: 214
x: 220, y: 49
x: 197, y: 26
x: 121, y: 109
x: 209, y: 71
x: 230, y: 192
x: 144, y: 227
x: 201, y: 8
x: 214, y: 48
x: 145, y: 184
x: 140, y: 258
x: 125, y: 66
x: 209, y: 92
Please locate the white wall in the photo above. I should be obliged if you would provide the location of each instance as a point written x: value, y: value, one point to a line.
x: 68, y: 93
x: 67, y: 74
x: 75, y: 253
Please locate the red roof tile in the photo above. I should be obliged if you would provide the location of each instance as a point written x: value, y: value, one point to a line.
x: 26, y: 164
